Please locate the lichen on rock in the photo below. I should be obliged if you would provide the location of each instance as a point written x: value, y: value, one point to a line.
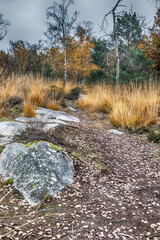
x: 37, y: 170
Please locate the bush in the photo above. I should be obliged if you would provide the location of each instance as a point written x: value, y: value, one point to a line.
x: 15, y: 100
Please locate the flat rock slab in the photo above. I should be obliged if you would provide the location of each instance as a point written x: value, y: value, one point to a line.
x: 37, y: 171
x: 5, y: 140
x: 36, y: 120
x: 51, y: 114
x: 48, y: 117
x: 115, y: 131
x: 72, y: 109
x: 11, y: 128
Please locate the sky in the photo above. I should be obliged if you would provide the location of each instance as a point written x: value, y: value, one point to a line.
x: 28, y: 17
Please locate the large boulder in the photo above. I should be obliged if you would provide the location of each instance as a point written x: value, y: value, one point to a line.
x: 37, y: 170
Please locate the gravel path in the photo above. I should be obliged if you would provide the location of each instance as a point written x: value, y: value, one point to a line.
x: 115, y: 195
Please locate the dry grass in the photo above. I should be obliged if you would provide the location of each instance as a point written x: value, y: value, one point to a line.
x: 68, y: 87
x: 29, y: 110
x: 136, y: 106
x: 53, y: 105
x: 32, y: 90
x: 4, y: 112
x: 98, y: 98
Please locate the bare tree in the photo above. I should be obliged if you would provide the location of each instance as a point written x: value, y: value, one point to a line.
x: 3, y: 27
x: 61, y: 27
x: 104, y: 23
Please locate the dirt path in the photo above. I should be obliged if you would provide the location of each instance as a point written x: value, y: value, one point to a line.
x: 116, y: 194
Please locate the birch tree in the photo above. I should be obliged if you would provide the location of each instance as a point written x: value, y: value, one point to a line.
x: 62, y: 27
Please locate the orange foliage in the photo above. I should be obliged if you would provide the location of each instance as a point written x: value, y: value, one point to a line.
x: 151, y: 45
x: 57, y: 60
x: 20, y: 55
x: 80, y: 61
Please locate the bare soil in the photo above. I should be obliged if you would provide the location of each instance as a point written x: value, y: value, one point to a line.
x: 116, y: 193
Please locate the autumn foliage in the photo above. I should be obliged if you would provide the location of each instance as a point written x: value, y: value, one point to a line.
x: 151, y: 44
x: 80, y: 61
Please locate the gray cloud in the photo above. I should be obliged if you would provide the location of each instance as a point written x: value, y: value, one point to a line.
x: 28, y: 17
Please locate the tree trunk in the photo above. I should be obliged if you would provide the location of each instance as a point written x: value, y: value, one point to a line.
x: 116, y: 50
x: 65, y: 67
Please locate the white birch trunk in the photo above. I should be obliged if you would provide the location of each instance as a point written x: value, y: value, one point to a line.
x: 65, y: 67
x: 116, y: 50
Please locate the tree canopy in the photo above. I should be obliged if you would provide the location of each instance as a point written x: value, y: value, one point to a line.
x: 151, y: 44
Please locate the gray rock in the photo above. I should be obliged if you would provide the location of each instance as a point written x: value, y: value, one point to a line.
x: 50, y: 126
x: 36, y: 171
x: 115, y: 131
x: 5, y: 140
x: 36, y: 120
x: 11, y: 128
x: 8, y: 157
x: 72, y: 109
x: 51, y: 114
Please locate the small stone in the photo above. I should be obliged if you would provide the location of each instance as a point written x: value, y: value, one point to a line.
x: 85, y: 226
x: 147, y: 234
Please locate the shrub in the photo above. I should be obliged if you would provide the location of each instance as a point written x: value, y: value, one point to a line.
x: 15, y: 100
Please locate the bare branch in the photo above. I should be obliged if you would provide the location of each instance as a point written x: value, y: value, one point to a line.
x: 3, y: 27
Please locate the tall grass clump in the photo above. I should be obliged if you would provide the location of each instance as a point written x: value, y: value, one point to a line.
x: 35, y: 91
x: 29, y: 110
x: 53, y: 106
x: 68, y: 86
x: 98, y: 98
x: 135, y: 105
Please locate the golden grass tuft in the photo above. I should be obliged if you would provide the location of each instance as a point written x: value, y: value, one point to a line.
x: 53, y: 105
x: 31, y: 89
x: 36, y: 99
x: 29, y: 110
x: 68, y: 87
x: 135, y: 106
x: 4, y: 112
x: 98, y: 98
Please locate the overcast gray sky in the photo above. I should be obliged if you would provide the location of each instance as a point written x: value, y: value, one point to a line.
x: 28, y: 17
